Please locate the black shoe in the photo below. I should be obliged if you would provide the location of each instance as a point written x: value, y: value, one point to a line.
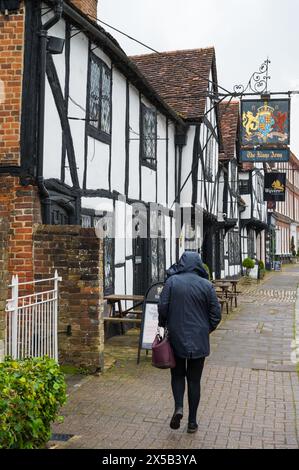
x: 176, y: 419
x: 192, y: 427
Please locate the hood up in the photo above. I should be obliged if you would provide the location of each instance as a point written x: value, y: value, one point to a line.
x: 188, y: 263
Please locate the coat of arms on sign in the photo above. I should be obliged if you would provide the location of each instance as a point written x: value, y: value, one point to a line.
x: 265, y: 122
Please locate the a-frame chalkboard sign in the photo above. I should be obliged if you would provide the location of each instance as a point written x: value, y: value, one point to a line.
x: 149, y: 322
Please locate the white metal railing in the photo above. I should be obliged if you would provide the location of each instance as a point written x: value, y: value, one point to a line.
x: 31, y: 320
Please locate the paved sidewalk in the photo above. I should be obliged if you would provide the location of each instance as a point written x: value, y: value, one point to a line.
x: 250, y: 389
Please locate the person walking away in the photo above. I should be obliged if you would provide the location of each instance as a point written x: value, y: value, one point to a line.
x: 190, y: 310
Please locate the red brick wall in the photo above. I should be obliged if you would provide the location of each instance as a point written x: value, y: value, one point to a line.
x: 77, y: 255
x: 19, y: 209
x: 11, y: 67
x: 89, y: 7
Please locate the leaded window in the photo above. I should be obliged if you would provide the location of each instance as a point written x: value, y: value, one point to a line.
x: 250, y: 244
x: 148, y: 132
x: 108, y: 264
x: 233, y: 248
x: 99, y: 117
x: 157, y: 244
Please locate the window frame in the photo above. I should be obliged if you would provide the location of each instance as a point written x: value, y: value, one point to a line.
x: 242, y: 191
x: 93, y: 131
x: 145, y: 160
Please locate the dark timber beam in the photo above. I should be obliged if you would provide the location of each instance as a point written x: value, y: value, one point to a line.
x: 62, y: 111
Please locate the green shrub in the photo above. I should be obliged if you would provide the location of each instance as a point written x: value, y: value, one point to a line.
x: 208, y: 270
x: 261, y: 265
x: 248, y: 263
x: 31, y: 392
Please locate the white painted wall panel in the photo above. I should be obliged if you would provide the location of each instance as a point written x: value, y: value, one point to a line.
x: 77, y: 92
x: 148, y: 184
x: 97, y: 165
x: 173, y: 241
x: 120, y: 281
x: 97, y: 203
x: 168, y: 241
x: 171, y: 164
x: 52, y: 138
x: 129, y: 277
x: 134, y: 144
x: 129, y: 242
x: 120, y: 242
x: 186, y: 193
x: 161, y: 159
x: 118, y: 160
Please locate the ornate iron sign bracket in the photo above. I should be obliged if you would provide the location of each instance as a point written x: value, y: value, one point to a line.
x: 258, y: 82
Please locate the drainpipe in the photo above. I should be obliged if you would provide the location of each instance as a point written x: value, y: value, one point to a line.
x: 46, y: 203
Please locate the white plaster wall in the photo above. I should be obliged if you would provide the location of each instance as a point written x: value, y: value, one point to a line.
x: 77, y: 92
x: 120, y: 282
x: 171, y: 163
x: 129, y: 277
x: 161, y: 159
x: 167, y: 243
x: 52, y: 137
x: 120, y: 228
x: 173, y: 241
x: 148, y: 184
x: 129, y: 241
x: 186, y: 193
x: 97, y: 203
x: 134, y: 144
x: 97, y: 165
x: 118, y: 160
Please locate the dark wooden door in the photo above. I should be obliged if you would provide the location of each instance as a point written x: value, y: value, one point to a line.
x: 140, y: 266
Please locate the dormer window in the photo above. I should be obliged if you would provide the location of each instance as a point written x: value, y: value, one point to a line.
x: 99, y: 97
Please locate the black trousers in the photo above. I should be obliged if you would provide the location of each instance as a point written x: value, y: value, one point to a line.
x: 192, y: 370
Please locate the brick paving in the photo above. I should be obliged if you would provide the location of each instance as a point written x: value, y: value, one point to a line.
x: 250, y: 388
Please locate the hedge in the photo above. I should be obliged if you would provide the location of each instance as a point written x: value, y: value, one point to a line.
x: 31, y: 393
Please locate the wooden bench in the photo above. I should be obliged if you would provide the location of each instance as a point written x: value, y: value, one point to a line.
x: 123, y: 316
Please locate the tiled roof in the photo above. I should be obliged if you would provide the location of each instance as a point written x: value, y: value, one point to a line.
x: 180, y: 77
x: 229, y: 116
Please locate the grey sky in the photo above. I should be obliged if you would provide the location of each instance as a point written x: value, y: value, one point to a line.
x: 243, y: 34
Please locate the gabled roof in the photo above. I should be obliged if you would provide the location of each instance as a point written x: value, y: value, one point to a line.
x: 110, y: 46
x: 229, y: 120
x: 180, y: 78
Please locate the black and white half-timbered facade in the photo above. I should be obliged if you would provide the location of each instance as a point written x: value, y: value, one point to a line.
x: 110, y: 146
x: 187, y: 80
x: 253, y: 223
x: 131, y: 145
x: 230, y: 204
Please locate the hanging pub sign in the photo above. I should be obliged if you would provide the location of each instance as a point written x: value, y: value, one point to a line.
x: 265, y: 155
x: 275, y: 184
x: 265, y: 122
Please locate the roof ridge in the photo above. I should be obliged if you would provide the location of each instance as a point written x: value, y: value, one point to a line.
x: 198, y: 49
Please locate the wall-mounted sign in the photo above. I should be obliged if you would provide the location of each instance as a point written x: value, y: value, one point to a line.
x: 275, y: 184
x: 265, y: 122
x: 265, y: 155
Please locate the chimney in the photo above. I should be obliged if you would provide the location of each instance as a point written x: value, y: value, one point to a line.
x: 88, y: 7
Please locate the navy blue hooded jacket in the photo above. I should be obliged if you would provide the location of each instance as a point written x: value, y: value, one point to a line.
x: 189, y: 306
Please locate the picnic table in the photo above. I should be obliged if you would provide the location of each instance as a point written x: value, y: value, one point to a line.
x: 228, y: 295
x: 121, y: 315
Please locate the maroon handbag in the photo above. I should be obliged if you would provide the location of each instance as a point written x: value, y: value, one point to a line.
x: 162, y: 353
